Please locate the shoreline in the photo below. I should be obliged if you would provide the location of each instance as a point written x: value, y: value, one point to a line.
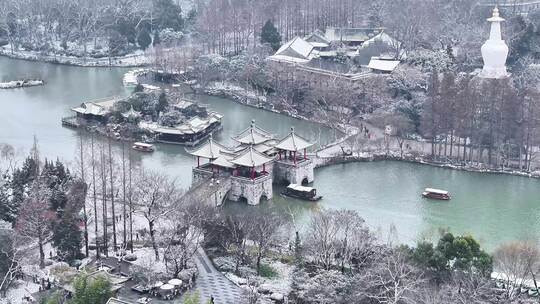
x: 89, y: 62
x: 244, y: 96
x: 337, y: 160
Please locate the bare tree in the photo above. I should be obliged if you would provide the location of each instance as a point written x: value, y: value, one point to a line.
x: 516, y: 261
x: 155, y: 195
x: 34, y: 218
x: 393, y: 280
x: 185, y: 237
x: 265, y: 232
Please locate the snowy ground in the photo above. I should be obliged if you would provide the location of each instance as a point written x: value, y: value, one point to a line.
x: 138, y: 58
x: 19, y: 291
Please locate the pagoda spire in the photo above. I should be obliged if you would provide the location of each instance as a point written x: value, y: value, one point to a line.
x: 495, y: 50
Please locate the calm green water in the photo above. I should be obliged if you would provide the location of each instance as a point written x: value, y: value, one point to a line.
x: 493, y: 208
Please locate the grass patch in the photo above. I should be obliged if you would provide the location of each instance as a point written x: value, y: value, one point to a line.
x: 268, y: 271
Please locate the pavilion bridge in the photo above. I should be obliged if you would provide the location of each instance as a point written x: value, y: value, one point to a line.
x: 249, y: 169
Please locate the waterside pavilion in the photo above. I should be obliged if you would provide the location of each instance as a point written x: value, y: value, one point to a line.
x: 250, y: 168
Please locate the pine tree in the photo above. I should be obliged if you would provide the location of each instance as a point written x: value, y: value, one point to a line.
x: 270, y: 35
x: 67, y: 237
x: 143, y: 39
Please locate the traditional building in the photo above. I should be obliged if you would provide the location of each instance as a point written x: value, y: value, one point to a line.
x: 95, y: 110
x: 250, y: 168
x: 292, y: 164
x: 513, y: 7
x: 495, y: 50
x: 317, y: 59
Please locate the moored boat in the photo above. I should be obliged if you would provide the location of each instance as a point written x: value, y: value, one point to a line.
x: 436, y: 194
x: 301, y: 192
x: 143, y: 147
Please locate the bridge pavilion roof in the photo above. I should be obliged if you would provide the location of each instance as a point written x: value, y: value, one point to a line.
x: 253, y: 135
x: 251, y: 158
x: 293, y: 142
x: 210, y: 149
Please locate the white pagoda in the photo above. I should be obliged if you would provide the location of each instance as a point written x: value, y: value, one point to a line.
x: 495, y: 50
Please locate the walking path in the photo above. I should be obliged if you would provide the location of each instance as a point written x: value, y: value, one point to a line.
x: 211, y: 282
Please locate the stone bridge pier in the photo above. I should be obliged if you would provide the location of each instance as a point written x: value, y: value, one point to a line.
x: 251, y: 189
x: 288, y: 172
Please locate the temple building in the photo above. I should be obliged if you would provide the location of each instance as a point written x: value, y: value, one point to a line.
x: 257, y: 161
x: 495, y: 50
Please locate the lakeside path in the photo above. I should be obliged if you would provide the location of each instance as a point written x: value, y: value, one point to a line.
x: 211, y: 282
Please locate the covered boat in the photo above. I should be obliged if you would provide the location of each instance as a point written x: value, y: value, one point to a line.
x: 436, y: 194
x: 301, y: 192
x: 143, y: 147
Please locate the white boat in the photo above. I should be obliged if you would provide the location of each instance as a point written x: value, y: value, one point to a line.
x: 436, y: 194
x: 301, y: 192
x: 143, y: 147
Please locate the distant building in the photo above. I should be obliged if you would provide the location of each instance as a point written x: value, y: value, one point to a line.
x: 340, y: 55
x: 351, y: 36
x: 513, y: 7
x: 95, y: 110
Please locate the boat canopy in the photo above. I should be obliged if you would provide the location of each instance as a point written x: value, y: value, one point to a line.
x: 436, y: 191
x: 299, y: 188
x: 144, y: 145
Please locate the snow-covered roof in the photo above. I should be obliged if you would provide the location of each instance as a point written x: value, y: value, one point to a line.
x: 224, y: 160
x: 293, y: 142
x: 131, y: 113
x: 253, y: 135
x: 95, y: 108
x: 381, y: 37
x: 350, y: 34
x: 317, y: 39
x: 296, y: 48
x: 210, y: 149
x: 251, y: 158
x: 193, y: 126
x: 383, y: 65
x: 183, y: 104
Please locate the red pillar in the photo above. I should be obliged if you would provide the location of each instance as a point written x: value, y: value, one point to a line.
x: 305, y: 154
x: 295, y: 158
x: 252, y: 172
x: 279, y: 152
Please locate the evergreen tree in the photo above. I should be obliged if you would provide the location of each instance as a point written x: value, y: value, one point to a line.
x: 8, y: 210
x: 270, y: 35
x: 162, y: 103
x: 167, y: 15
x: 91, y: 290
x: 143, y: 39
x: 67, y: 237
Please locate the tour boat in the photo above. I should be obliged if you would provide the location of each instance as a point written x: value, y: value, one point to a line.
x: 143, y: 147
x: 301, y: 192
x: 436, y: 194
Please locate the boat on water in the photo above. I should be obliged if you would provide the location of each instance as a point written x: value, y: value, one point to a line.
x: 301, y: 192
x: 143, y: 147
x: 436, y: 194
